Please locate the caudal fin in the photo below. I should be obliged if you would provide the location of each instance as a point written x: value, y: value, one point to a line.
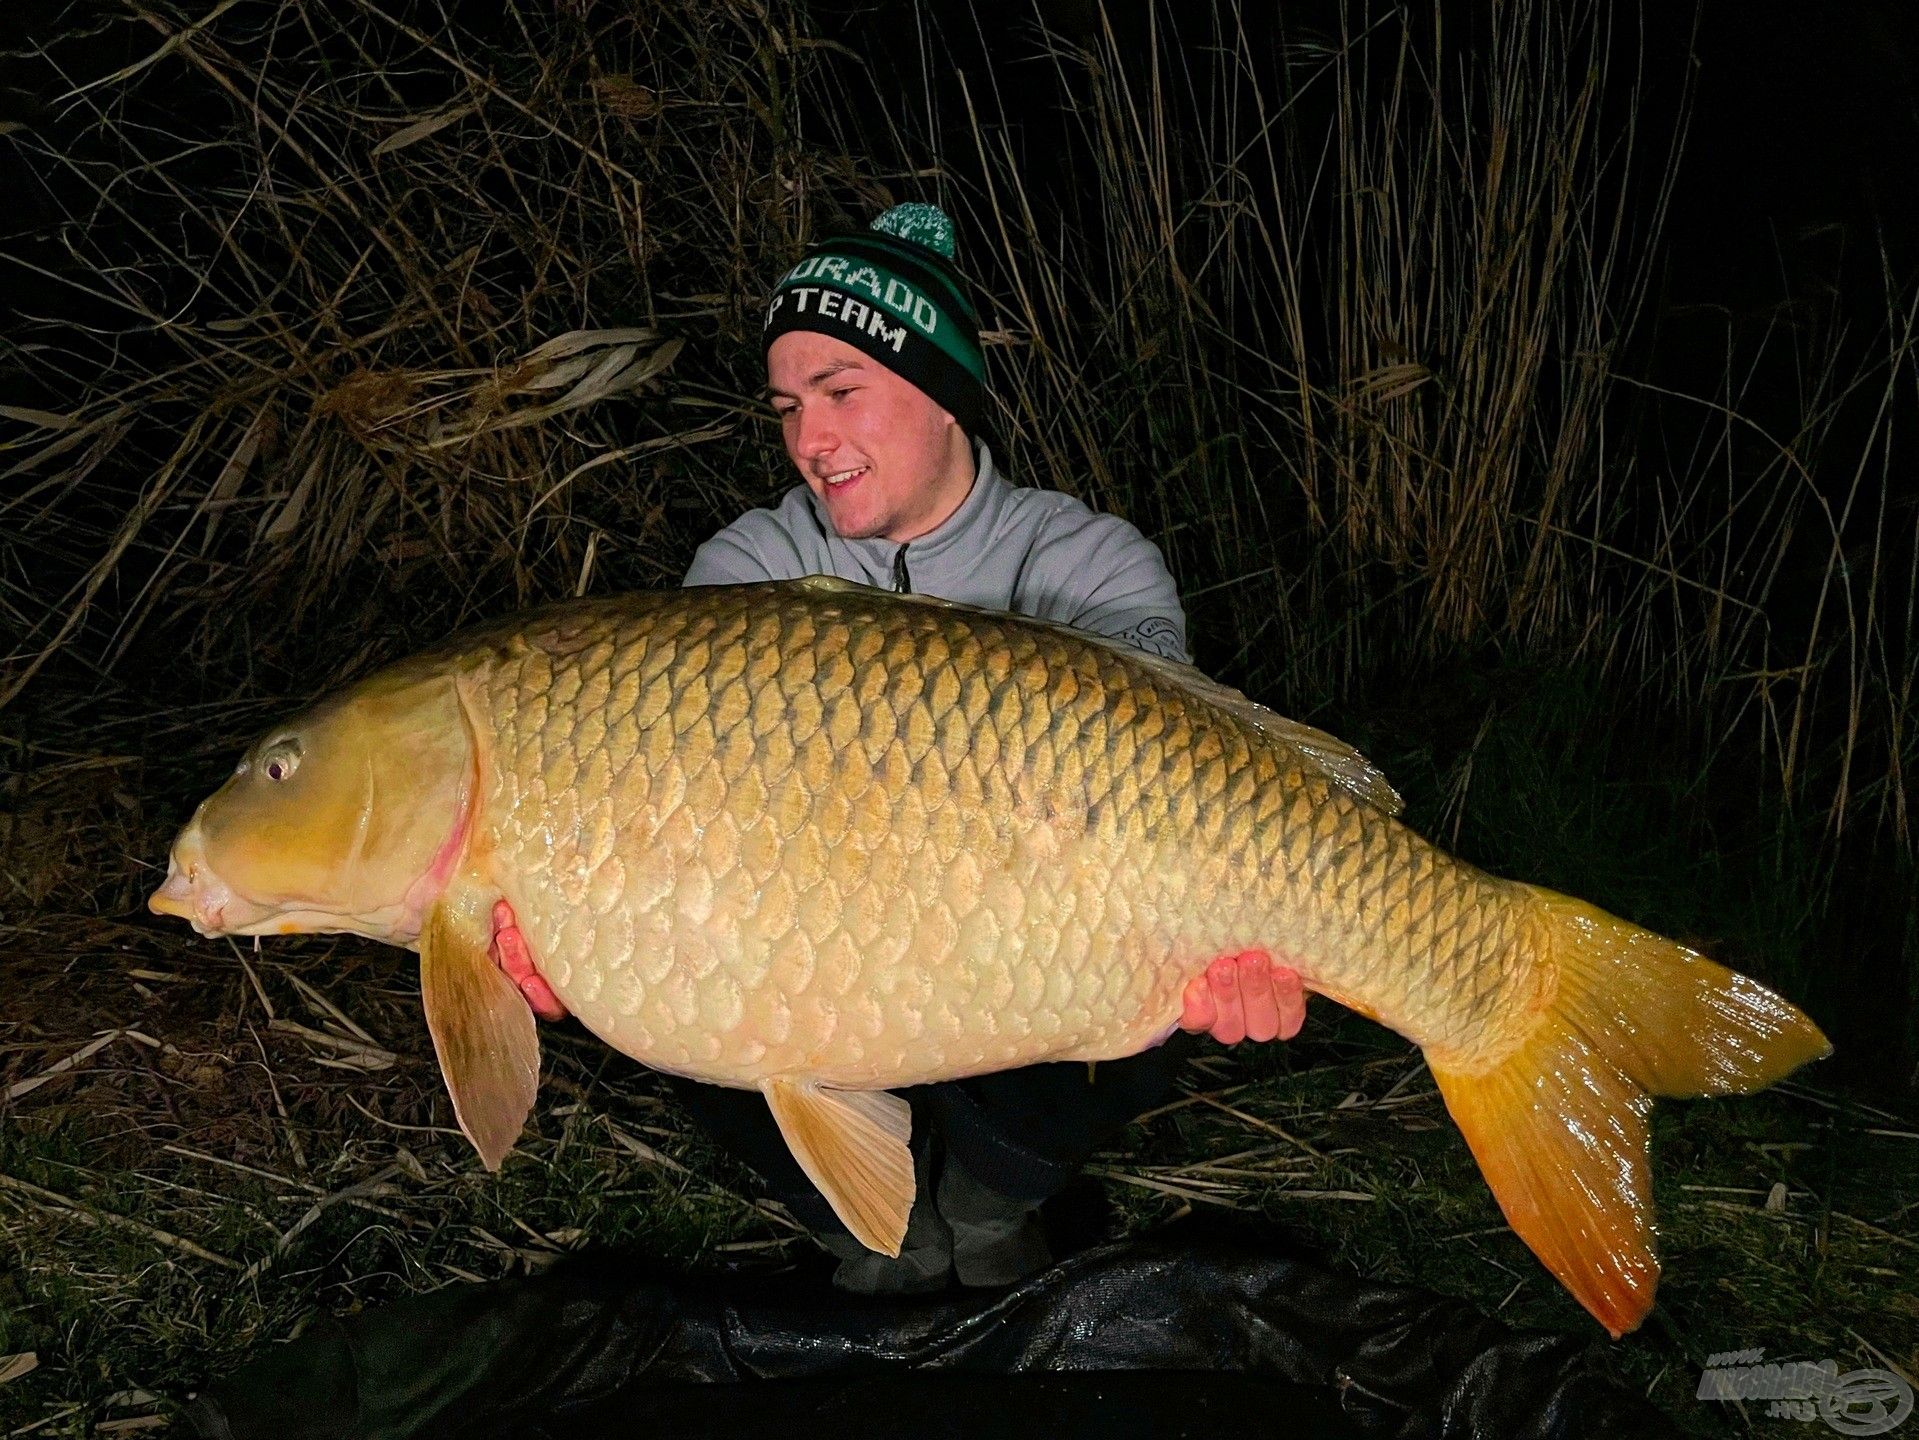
x: 1558, y: 1124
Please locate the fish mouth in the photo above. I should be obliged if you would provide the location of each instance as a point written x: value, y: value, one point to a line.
x: 193, y: 893
x: 206, y: 903
x: 175, y: 897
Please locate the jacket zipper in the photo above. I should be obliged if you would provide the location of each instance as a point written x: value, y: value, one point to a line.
x: 902, y: 581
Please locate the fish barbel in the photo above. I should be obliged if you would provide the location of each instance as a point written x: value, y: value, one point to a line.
x: 820, y: 841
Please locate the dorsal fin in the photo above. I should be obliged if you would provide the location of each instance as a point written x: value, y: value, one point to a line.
x: 833, y: 585
x: 1328, y: 754
x: 1340, y: 762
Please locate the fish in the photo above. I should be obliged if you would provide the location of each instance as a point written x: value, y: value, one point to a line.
x: 825, y: 841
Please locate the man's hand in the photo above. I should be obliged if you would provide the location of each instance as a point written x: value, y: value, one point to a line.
x: 509, y: 952
x: 1245, y: 997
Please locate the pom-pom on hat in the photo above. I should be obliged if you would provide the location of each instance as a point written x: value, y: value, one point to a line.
x: 892, y: 292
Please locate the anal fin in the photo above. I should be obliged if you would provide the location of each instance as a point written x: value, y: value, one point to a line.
x: 483, y: 1030
x: 853, y: 1145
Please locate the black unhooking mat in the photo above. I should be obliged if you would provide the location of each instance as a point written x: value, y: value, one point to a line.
x: 1116, y: 1342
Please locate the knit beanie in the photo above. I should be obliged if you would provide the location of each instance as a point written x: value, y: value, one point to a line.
x: 893, y: 293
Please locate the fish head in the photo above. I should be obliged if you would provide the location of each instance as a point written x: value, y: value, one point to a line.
x: 348, y: 817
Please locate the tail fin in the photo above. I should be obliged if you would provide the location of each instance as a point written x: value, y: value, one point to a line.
x: 1558, y: 1124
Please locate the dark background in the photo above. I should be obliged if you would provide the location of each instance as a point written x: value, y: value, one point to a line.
x: 1801, y: 168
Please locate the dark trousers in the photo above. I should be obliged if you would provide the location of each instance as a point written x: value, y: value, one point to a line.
x: 1024, y: 1133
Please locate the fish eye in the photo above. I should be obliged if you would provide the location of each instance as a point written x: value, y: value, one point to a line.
x: 280, y: 760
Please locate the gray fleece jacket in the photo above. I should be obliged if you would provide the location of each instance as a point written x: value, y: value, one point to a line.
x: 1034, y: 552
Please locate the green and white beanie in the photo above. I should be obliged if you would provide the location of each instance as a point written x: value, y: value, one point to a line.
x: 893, y: 293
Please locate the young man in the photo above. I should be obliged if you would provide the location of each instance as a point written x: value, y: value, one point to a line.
x: 874, y: 369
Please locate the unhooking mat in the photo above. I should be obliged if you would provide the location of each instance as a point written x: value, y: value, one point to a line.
x: 1119, y: 1341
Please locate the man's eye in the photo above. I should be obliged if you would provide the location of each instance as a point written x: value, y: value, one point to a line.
x: 844, y: 391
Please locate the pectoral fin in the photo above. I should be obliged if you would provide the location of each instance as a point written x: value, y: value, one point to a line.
x: 852, y: 1144
x: 483, y: 1033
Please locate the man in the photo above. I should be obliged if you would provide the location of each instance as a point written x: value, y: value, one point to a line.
x: 875, y: 371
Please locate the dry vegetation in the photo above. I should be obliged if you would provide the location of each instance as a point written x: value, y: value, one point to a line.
x: 351, y: 323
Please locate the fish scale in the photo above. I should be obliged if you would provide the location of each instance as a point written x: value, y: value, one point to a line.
x: 936, y: 778
x: 822, y: 841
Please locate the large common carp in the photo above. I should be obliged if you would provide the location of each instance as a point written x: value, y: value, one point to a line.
x: 820, y: 841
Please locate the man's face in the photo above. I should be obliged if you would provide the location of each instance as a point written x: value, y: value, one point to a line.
x: 882, y: 458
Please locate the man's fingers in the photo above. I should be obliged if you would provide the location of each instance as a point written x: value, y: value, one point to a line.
x: 540, y: 996
x: 1229, y: 1028
x: 517, y: 961
x: 1198, y: 1013
x: 1290, y: 991
x: 515, y: 958
x: 1245, y: 997
x: 509, y: 951
x: 1256, y: 994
